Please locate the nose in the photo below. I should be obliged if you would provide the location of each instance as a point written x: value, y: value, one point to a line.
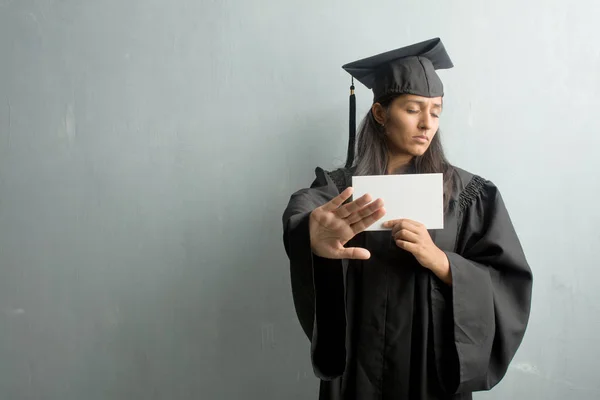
x: 426, y: 121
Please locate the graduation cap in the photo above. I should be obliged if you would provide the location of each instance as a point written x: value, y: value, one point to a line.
x: 407, y: 70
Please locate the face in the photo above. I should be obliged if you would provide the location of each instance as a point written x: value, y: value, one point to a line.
x: 410, y: 123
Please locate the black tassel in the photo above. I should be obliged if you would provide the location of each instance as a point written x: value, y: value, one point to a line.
x: 352, y: 128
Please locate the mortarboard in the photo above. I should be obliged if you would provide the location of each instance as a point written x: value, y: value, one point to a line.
x: 407, y: 70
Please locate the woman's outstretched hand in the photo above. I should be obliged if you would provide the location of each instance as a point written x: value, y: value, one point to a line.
x: 333, y: 224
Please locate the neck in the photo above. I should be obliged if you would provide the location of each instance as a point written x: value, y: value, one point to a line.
x: 398, y: 163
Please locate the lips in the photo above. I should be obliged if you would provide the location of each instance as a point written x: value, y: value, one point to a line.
x: 421, y: 138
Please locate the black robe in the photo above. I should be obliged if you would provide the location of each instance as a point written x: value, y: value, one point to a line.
x: 387, y: 328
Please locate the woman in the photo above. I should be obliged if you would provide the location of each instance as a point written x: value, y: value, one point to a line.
x: 406, y: 313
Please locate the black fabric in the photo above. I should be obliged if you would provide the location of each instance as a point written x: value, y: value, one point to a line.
x: 351, y: 128
x: 407, y: 70
x: 386, y: 328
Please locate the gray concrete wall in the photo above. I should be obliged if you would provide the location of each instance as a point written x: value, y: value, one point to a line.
x: 148, y: 148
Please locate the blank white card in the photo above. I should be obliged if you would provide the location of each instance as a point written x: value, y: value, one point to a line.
x: 419, y: 197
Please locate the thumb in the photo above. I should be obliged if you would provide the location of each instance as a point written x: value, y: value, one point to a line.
x: 355, y: 253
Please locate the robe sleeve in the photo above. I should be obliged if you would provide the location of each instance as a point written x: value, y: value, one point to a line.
x: 317, y: 283
x: 479, y: 322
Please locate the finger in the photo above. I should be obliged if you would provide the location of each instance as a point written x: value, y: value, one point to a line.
x: 409, y: 223
x: 337, y: 201
x: 365, y: 211
x: 391, y: 223
x: 406, y: 235
x: 400, y: 224
x: 367, y: 221
x: 355, y: 253
x: 404, y: 225
x: 347, y: 209
x: 404, y: 245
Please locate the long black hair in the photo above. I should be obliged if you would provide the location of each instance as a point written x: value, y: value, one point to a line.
x: 372, y: 154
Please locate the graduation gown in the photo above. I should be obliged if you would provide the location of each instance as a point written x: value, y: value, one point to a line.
x: 387, y: 328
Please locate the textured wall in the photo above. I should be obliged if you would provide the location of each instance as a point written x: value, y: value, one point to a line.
x: 148, y: 148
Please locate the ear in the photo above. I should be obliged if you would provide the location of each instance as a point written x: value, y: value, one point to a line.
x: 379, y: 113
